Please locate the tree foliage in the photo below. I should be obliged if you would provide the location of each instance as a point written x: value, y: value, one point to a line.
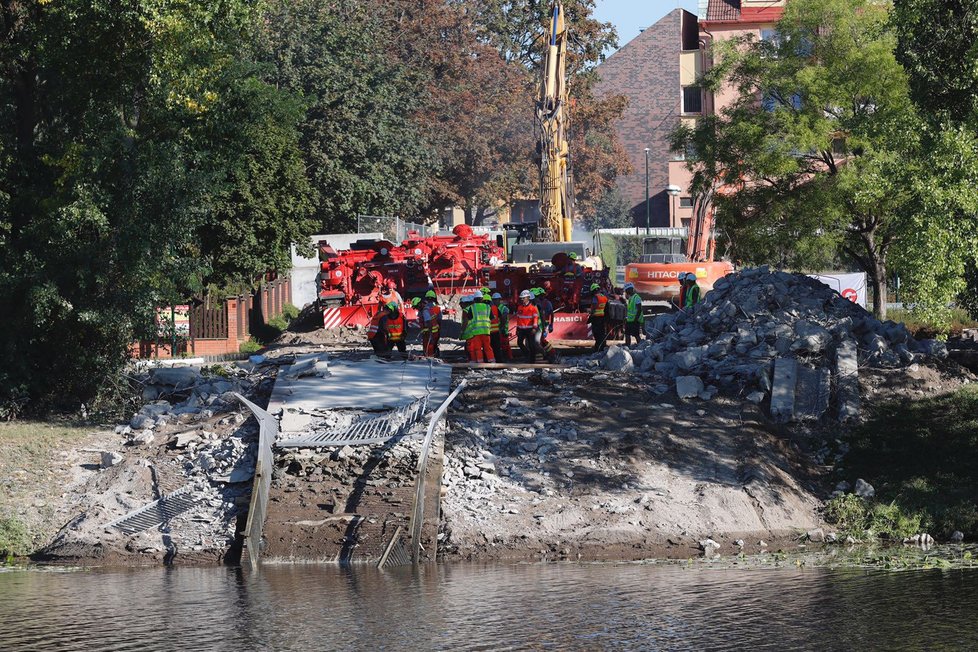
x: 823, y: 155
x: 143, y: 157
x: 152, y: 151
x: 938, y: 46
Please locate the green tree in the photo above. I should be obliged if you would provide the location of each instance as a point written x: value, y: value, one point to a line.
x: 518, y: 31
x: 364, y: 153
x: 143, y: 158
x: 820, y: 148
x: 937, y: 46
x: 610, y: 212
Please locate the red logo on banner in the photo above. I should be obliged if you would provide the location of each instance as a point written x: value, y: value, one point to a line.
x: 850, y: 294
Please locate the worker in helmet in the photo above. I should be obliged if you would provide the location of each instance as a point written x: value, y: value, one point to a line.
x: 681, y: 299
x: 596, y: 317
x: 466, y: 336
x: 475, y: 329
x: 500, y: 345
x: 430, y: 324
x: 527, y: 325
x: 546, y: 324
x: 388, y: 294
x: 390, y: 332
x: 693, y: 294
x: 572, y: 269
x: 634, y: 317
x: 493, y: 325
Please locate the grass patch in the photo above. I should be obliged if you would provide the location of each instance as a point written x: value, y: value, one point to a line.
x: 27, y: 449
x: 957, y: 320
x: 250, y: 347
x: 15, y: 539
x: 37, y: 438
x: 920, y: 457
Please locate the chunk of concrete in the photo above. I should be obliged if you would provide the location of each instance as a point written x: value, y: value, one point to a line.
x: 756, y: 397
x: 812, y: 393
x: 689, y: 386
x: 863, y: 489
x: 111, y: 458
x: 617, y: 359
x: 184, y: 439
x: 847, y: 380
x: 176, y: 377
x: 783, y: 391
x: 142, y: 422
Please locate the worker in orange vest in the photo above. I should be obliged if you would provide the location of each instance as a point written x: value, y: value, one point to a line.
x: 389, y: 294
x: 599, y: 302
x: 527, y: 325
x: 390, y: 331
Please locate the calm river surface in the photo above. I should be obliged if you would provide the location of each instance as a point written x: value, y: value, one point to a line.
x: 496, y: 607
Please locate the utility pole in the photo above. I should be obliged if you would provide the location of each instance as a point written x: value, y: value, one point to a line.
x: 648, y: 208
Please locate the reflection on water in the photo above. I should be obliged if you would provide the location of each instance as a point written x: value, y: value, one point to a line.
x: 472, y: 607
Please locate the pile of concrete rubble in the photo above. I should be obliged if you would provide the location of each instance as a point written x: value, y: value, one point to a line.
x: 755, y: 318
x: 192, y: 437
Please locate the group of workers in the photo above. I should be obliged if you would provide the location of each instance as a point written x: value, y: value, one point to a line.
x: 486, y: 321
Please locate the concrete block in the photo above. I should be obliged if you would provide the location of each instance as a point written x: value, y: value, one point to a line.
x: 847, y: 380
x: 783, y: 391
x: 689, y: 386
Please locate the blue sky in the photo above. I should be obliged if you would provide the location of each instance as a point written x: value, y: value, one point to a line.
x: 631, y: 16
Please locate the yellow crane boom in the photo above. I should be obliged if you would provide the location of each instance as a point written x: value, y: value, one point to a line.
x: 556, y: 201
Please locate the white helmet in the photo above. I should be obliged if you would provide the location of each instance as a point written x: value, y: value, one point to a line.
x: 526, y: 294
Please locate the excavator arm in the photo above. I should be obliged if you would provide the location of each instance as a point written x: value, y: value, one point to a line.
x: 556, y: 201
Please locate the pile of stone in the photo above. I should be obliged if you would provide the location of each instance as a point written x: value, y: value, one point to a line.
x: 757, y: 316
x: 181, y: 395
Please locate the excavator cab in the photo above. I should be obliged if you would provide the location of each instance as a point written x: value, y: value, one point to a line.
x: 664, y: 250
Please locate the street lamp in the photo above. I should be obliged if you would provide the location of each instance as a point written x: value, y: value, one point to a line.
x: 673, y: 191
x: 648, y: 211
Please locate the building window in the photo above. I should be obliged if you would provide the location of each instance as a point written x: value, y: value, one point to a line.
x: 685, y: 202
x: 692, y: 99
x: 686, y: 222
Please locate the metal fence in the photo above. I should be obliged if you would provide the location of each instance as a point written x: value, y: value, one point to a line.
x: 417, y: 514
x: 394, y: 228
x: 262, y: 484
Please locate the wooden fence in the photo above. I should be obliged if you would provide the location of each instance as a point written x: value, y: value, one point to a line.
x: 219, y: 326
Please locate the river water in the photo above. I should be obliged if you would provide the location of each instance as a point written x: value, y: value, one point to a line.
x: 492, y: 607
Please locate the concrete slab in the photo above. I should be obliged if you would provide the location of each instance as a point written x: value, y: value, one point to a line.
x: 783, y: 392
x: 847, y: 380
x: 368, y: 384
x: 812, y: 393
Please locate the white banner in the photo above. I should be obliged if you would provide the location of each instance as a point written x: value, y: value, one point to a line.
x: 851, y: 286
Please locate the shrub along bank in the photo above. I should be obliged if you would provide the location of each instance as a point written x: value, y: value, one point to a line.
x: 920, y: 456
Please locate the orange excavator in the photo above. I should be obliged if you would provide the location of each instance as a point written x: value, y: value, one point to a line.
x: 667, y: 252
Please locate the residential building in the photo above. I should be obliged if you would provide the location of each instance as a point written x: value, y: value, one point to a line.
x: 657, y: 71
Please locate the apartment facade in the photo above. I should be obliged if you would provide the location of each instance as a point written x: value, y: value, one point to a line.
x: 657, y: 71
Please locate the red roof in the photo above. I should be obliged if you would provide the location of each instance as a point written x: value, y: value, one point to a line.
x: 723, y: 10
x: 730, y: 11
